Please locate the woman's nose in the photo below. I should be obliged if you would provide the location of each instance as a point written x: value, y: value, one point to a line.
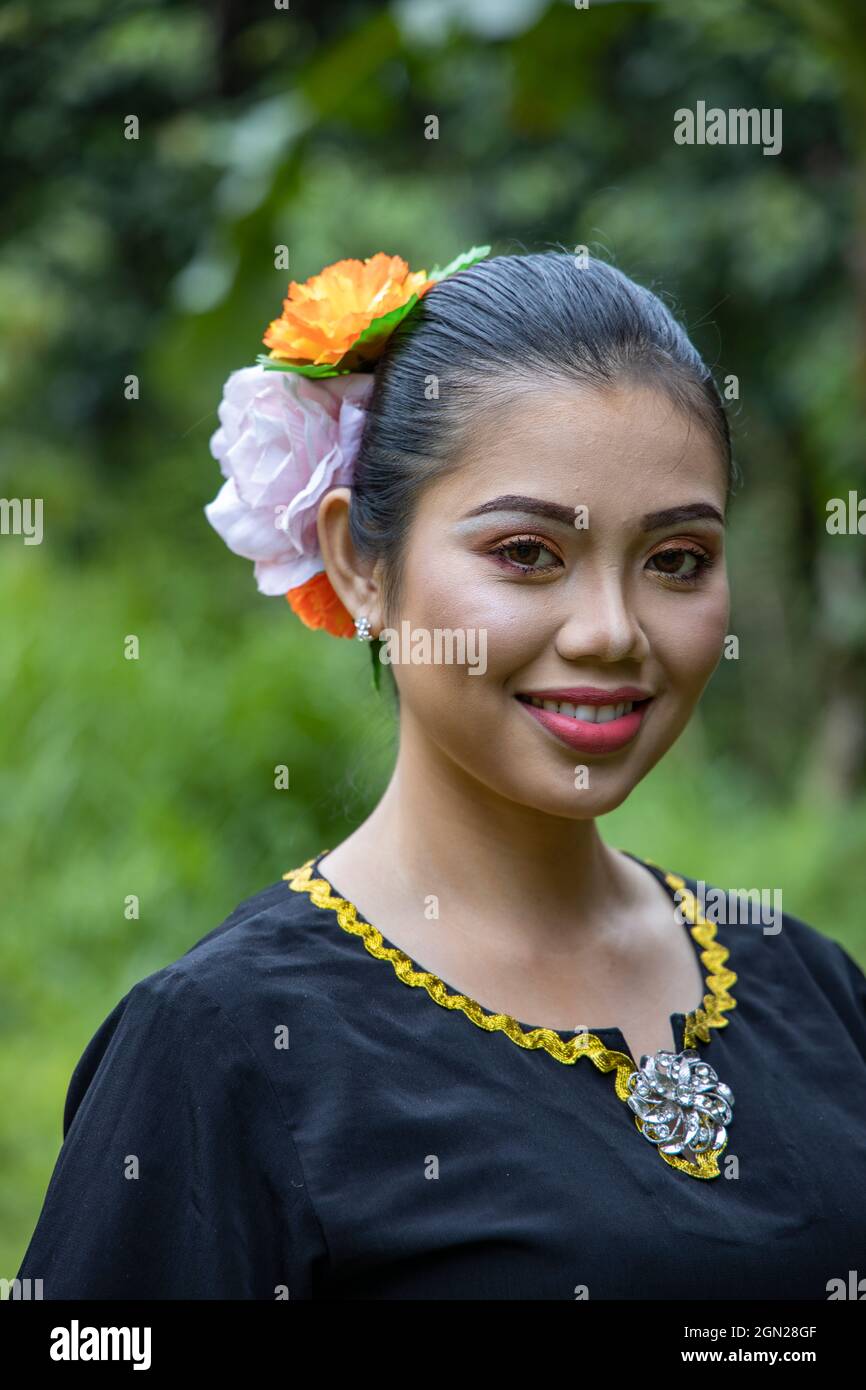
x: 601, y: 622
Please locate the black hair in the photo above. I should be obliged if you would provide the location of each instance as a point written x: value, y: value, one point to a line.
x: 479, y: 336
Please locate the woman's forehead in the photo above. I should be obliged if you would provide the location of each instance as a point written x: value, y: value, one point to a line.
x: 626, y: 447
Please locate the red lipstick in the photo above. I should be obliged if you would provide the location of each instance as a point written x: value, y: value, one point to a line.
x: 585, y: 735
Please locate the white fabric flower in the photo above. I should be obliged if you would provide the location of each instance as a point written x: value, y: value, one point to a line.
x: 284, y: 441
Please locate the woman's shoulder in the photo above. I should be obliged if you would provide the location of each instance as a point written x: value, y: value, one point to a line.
x: 273, y: 934
x: 191, y: 1086
x: 268, y: 945
x: 260, y: 969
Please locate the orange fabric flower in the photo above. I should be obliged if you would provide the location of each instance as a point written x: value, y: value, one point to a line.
x: 323, y: 317
x: 317, y: 604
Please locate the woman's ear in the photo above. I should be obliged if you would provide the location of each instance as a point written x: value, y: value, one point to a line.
x: 354, y: 580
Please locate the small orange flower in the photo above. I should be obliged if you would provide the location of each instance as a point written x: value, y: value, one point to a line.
x: 324, y: 317
x: 317, y: 605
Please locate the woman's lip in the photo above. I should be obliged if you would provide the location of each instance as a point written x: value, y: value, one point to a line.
x: 589, y: 694
x: 587, y: 737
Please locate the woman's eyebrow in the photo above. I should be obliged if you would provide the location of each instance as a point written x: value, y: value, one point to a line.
x: 652, y: 521
x: 511, y: 502
x: 689, y: 511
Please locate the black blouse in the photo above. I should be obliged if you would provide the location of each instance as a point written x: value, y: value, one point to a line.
x: 296, y: 1109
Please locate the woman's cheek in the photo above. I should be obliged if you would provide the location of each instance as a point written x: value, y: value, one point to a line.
x: 457, y: 597
x: 688, y: 640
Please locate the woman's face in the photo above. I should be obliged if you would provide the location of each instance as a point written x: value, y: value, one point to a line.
x: 605, y: 593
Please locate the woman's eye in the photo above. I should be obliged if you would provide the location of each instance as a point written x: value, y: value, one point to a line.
x: 526, y: 553
x: 671, y: 564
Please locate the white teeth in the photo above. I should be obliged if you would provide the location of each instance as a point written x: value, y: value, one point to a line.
x: 590, y: 714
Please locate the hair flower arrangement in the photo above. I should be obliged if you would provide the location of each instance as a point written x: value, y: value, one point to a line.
x: 290, y: 427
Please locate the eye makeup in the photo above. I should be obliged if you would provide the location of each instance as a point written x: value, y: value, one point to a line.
x: 526, y: 543
x: 703, y: 562
x: 507, y: 553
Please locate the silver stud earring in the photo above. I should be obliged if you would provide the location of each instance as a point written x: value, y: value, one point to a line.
x: 362, y: 629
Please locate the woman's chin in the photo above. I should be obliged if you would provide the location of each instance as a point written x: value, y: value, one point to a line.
x: 556, y: 794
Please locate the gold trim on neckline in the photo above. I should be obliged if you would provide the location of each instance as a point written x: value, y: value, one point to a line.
x: 697, y: 1023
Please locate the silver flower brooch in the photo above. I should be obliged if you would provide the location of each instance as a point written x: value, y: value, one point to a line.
x: 681, y: 1103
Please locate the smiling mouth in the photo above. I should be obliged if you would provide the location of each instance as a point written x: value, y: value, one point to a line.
x: 586, y: 714
x: 588, y: 728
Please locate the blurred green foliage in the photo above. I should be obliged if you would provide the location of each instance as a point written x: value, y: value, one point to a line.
x: 305, y: 127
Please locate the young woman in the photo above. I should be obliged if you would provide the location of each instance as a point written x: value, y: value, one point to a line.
x: 475, y: 1052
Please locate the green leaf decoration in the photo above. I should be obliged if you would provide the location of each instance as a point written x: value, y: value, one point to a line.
x: 314, y: 369
x: 366, y: 345
x: 461, y: 262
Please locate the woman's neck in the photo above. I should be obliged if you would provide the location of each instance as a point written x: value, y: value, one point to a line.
x: 442, y: 833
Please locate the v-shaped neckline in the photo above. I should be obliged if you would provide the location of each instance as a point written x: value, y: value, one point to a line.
x: 601, y: 1046
x: 563, y: 1045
